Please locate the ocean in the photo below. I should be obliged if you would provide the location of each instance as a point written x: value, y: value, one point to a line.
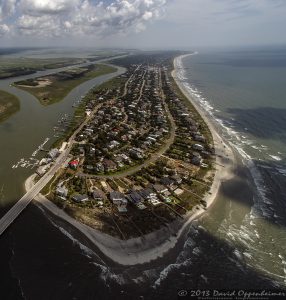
x: 240, y: 241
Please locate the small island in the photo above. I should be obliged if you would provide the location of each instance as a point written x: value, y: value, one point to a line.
x: 19, y: 66
x: 9, y: 104
x: 53, y: 88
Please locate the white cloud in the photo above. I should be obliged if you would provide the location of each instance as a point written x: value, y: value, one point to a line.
x: 4, y: 29
x: 73, y: 17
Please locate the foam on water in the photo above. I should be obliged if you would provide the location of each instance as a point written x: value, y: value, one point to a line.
x: 275, y: 157
x: 165, y: 272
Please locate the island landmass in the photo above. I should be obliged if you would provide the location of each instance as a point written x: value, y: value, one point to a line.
x: 9, y: 105
x: 53, y: 88
x: 145, y: 162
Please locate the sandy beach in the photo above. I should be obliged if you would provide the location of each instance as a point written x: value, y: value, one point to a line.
x: 154, y: 245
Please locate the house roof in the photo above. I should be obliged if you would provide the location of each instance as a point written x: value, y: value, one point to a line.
x: 80, y: 198
x: 145, y: 192
x: 109, y: 163
x: 159, y: 187
x: 114, y: 195
x: 97, y: 194
x: 134, y: 197
x: 166, y: 181
x: 74, y: 162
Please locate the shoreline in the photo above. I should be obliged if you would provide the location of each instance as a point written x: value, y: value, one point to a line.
x: 156, y: 244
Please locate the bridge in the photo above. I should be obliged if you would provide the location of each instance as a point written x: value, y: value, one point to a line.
x: 15, y: 211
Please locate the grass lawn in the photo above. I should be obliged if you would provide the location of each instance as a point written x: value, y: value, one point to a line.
x: 9, y: 104
x: 57, y: 86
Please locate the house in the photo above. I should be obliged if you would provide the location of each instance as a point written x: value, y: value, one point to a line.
x: 126, y: 158
x: 136, y: 198
x: 53, y: 153
x: 119, y: 200
x: 154, y: 201
x: 118, y: 159
x: 109, y: 165
x: 147, y: 193
x: 98, y: 195
x: 167, y: 181
x: 177, y: 179
x: 92, y: 151
x: 80, y: 198
x: 99, y: 167
x: 199, y: 138
x: 196, y: 159
x: 113, y: 144
x: 134, y: 154
x: 41, y: 170
x: 62, y: 191
x: 160, y: 189
x: 74, y: 164
x: 198, y: 147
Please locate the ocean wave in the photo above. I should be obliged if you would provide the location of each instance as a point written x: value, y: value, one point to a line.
x: 183, y: 259
x: 275, y: 157
x: 172, y: 267
x: 281, y: 171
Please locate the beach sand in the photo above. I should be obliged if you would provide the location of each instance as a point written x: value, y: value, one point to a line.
x: 156, y: 244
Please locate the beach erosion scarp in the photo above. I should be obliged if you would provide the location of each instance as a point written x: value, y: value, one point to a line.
x: 154, y: 245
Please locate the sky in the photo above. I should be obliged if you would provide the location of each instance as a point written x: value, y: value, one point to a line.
x: 145, y: 24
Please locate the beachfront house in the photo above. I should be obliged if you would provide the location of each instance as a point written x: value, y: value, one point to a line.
x: 119, y: 200
x: 198, y: 147
x: 62, y: 191
x: 136, y: 199
x: 80, y: 198
x: 98, y: 195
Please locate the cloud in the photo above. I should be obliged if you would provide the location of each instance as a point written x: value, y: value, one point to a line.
x: 4, y: 29
x: 77, y: 17
x: 40, y: 7
x: 7, y: 8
